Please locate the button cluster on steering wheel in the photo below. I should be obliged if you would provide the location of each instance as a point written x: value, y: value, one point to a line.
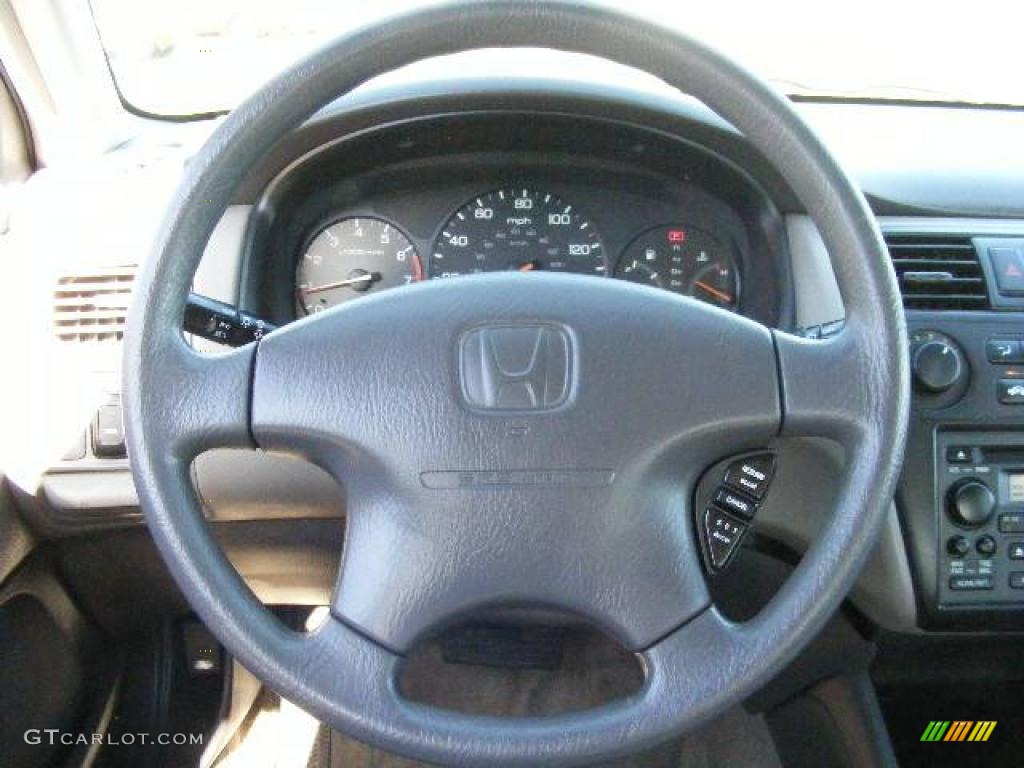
x: 732, y: 507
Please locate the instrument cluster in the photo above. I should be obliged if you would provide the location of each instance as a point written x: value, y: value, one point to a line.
x: 525, y: 229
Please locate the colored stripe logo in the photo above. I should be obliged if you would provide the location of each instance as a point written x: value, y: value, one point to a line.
x: 958, y: 730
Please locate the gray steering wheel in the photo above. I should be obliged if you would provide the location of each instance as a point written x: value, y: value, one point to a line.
x: 597, y: 522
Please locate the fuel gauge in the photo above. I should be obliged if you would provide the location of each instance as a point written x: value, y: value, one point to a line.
x: 642, y: 270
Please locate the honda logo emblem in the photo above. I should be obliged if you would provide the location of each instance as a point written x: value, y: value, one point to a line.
x: 516, y: 367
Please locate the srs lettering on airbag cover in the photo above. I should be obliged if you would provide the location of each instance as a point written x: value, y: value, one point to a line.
x: 511, y: 477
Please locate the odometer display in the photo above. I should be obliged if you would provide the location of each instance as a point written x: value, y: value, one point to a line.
x: 520, y: 230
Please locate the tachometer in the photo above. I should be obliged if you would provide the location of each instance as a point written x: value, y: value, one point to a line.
x: 685, y: 260
x: 517, y: 229
x: 352, y: 257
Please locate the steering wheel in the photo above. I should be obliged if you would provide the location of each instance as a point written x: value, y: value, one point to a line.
x: 537, y: 445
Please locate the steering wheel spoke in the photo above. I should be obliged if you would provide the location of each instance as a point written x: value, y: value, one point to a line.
x: 827, y: 386
x: 197, y: 401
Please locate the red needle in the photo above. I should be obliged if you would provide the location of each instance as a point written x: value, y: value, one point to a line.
x: 713, y: 291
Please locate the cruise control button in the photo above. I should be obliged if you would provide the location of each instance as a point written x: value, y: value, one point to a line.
x: 1015, y: 551
x: 751, y: 475
x: 967, y: 583
x: 722, y: 533
x: 733, y: 502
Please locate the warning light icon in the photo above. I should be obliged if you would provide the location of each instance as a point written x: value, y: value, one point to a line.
x: 676, y: 235
x: 1008, y: 264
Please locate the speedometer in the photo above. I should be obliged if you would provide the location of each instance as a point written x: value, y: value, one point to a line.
x: 524, y: 230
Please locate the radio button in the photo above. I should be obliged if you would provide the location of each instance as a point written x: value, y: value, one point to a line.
x: 971, y: 503
x: 958, y: 546
x: 969, y: 583
x: 959, y: 454
x: 1011, y: 523
x: 986, y: 546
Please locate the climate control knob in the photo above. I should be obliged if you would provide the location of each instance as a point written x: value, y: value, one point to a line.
x: 938, y: 365
x: 971, y: 503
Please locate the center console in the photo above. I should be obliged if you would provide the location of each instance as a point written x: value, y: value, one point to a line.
x: 961, y: 497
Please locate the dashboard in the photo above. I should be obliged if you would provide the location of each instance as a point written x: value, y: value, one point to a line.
x: 439, y: 180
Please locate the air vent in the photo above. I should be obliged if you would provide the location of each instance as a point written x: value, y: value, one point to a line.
x: 938, y: 271
x: 93, y: 306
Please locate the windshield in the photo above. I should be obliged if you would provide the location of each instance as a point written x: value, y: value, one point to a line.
x: 194, y: 57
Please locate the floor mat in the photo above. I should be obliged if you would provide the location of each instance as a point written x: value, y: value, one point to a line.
x: 280, y: 735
